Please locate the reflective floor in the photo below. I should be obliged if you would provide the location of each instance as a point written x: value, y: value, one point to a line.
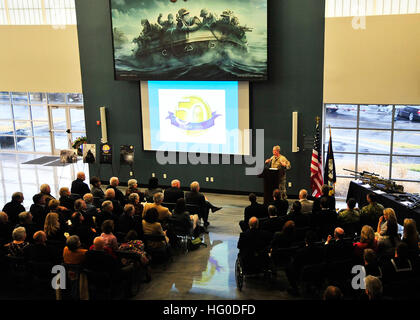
x: 206, y: 273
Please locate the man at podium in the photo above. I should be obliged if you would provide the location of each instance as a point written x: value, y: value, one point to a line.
x: 281, y: 163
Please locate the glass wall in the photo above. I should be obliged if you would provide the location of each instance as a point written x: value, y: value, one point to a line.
x: 383, y: 139
x: 25, y: 122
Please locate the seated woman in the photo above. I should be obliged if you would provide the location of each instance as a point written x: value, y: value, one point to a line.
x: 73, y: 253
x: 151, y: 226
x: 182, y: 217
x: 17, y: 247
x: 367, y: 240
x: 133, y: 245
x: 371, y: 264
x: 52, y: 228
x: 153, y: 188
x: 96, y: 188
x: 133, y: 188
x: 63, y: 213
x: 107, y: 234
x: 411, y: 236
x: 134, y: 199
x: 387, y: 233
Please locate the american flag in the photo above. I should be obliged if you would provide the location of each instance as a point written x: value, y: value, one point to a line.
x: 316, y: 165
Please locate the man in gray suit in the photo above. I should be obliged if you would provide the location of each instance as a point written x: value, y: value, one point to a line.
x: 306, y: 204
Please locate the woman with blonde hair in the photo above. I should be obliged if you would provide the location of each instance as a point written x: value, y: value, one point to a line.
x: 387, y: 232
x: 52, y: 227
x: 367, y: 241
x: 388, y: 215
x: 410, y: 234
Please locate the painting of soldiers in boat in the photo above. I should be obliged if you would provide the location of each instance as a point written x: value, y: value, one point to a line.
x: 193, y: 40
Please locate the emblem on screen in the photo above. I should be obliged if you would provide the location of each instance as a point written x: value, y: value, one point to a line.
x: 193, y: 115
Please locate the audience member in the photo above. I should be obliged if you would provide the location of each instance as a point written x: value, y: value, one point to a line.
x: 73, y: 252
x: 330, y: 200
x: 274, y: 223
x: 119, y: 196
x: 373, y: 288
x: 349, y: 215
x: 336, y: 247
x: 163, y: 212
x: 98, y: 260
x: 38, y: 251
x: 151, y: 226
x: 399, y: 267
x: 255, y: 209
x: 387, y: 232
x: 133, y: 245
x: 296, y: 215
x: 96, y: 188
x: 182, y: 217
x: 410, y: 235
x: 65, y: 199
x: 45, y: 190
x: 133, y: 188
x: 6, y: 230
x: 116, y: 205
x: 324, y: 220
x: 53, y: 229
x: 91, y: 210
x: 370, y: 213
x: 134, y: 199
x: 78, y: 186
x: 152, y: 189
x: 371, y: 263
x: 367, y: 240
x: 81, y: 228
x: 17, y: 247
x: 25, y: 220
x: 14, y: 207
x: 64, y: 214
x: 284, y: 238
x: 38, y: 209
x: 332, y: 293
x: 280, y: 202
x: 194, y: 197
x: 306, y: 204
x: 107, y: 213
x: 108, y: 236
x: 172, y: 194
x: 126, y: 222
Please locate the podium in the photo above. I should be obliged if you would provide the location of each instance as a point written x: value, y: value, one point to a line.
x: 271, y: 177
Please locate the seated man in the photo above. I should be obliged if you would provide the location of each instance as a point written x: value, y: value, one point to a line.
x: 280, y: 202
x: 78, y: 186
x: 110, y: 195
x: 285, y: 237
x: 400, y: 267
x: 274, y: 223
x: 163, y: 212
x: 330, y: 202
x: 254, y: 244
x: 306, y: 204
x: 152, y: 189
x: 301, y: 220
x: 255, y: 209
x: 25, y: 220
x: 194, y: 197
x: 325, y: 219
x: 106, y: 213
x: 172, y: 194
x: 99, y: 260
x: 38, y: 210
x: 126, y: 222
x: 336, y: 247
x: 38, y: 251
x: 349, y: 215
x: 371, y: 213
x: 91, y: 210
x: 65, y: 199
x: 119, y: 196
x: 14, y: 207
x: 45, y: 190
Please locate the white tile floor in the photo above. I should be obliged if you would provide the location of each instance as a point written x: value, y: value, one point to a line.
x: 27, y: 178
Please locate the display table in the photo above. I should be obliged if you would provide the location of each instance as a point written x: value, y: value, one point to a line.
x: 388, y: 200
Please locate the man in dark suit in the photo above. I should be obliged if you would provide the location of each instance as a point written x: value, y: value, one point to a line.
x: 325, y: 219
x: 126, y: 222
x: 336, y: 248
x: 78, y: 186
x: 194, y: 197
x: 254, y: 242
x: 330, y: 202
x: 98, y: 260
x: 38, y: 210
x: 65, y: 199
x: 172, y: 194
x: 274, y: 223
x: 281, y: 204
x: 119, y: 196
x: 110, y: 195
x: 14, y: 207
x: 255, y: 209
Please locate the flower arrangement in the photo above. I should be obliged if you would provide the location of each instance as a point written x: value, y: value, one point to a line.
x: 77, y: 144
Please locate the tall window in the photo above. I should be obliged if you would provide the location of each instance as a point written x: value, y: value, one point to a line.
x: 37, y: 12
x: 26, y: 124
x: 383, y: 139
x: 351, y: 8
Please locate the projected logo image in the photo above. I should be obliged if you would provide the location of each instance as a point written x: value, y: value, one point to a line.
x: 193, y: 115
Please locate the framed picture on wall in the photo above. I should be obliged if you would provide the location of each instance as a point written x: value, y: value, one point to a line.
x: 190, y: 40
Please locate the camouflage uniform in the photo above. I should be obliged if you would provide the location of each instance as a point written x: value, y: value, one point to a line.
x: 349, y: 216
x: 371, y: 213
x: 276, y: 163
